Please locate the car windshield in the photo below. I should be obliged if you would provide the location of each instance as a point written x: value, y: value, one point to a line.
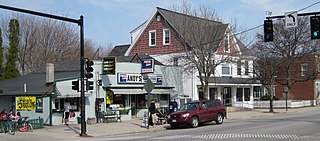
x: 189, y: 106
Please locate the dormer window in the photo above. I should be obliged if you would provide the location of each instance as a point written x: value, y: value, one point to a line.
x: 152, y: 38
x: 166, y: 36
x: 226, y: 43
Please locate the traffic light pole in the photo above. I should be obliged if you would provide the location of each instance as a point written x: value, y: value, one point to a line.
x: 301, y: 14
x: 80, y: 23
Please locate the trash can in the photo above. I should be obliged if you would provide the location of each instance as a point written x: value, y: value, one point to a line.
x: 79, y: 120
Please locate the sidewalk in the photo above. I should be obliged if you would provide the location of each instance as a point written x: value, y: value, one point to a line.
x: 134, y: 126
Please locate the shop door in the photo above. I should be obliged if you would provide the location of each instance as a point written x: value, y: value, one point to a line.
x: 134, y: 105
x: 226, y: 98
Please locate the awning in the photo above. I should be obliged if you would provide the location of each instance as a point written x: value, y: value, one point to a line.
x: 140, y: 91
x: 65, y: 91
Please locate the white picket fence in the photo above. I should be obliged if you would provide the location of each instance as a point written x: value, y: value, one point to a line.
x: 282, y: 104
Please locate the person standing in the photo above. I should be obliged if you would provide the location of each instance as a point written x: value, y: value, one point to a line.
x: 153, y: 119
x: 66, y: 112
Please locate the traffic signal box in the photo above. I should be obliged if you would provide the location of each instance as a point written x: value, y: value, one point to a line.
x: 89, y: 85
x: 75, y: 85
x: 268, y: 30
x: 315, y: 27
x: 89, y: 69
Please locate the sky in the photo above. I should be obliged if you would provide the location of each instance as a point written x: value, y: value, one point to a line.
x: 111, y: 21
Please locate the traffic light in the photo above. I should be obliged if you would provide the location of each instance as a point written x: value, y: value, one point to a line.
x: 268, y: 30
x: 89, y: 69
x: 315, y: 27
x: 89, y: 85
x: 75, y: 85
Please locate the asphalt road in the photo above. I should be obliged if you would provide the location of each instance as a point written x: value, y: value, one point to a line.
x: 301, y: 126
x: 289, y: 127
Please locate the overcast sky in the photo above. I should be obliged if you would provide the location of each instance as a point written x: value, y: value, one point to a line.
x: 111, y: 21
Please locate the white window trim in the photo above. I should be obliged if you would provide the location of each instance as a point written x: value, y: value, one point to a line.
x: 155, y: 37
x: 226, y: 65
x: 304, y: 70
x: 164, y: 37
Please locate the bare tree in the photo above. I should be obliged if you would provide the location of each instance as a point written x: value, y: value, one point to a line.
x: 46, y: 40
x: 202, y: 34
x: 266, y: 67
x: 281, y: 59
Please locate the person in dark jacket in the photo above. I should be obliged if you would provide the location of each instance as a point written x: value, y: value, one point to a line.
x: 153, y: 117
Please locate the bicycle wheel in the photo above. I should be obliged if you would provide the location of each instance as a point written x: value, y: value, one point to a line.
x: 30, y: 127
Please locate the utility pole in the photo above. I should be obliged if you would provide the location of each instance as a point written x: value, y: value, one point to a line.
x: 80, y: 24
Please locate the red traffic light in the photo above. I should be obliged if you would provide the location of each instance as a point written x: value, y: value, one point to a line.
x: 89, y: 62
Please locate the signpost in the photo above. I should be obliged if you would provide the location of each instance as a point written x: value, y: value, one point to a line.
x: 148, y: 86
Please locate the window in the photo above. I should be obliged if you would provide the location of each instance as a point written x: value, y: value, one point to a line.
x: 239, y: 67
x: 226, y: 69
x: 304, y: 69
x: 246, y: 68
x: 239, y: 94
x: 152, y: 38
x: 246, y: 94
x: 166, y: 36
x: 226, y: 44
x: 59, y: 103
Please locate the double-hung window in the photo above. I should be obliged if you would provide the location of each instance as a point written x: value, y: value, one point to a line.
x: 226, y: 70
x: 304, y: 69
x: 152, y: 38
x: 239, y: 67
x: 166, y: 36
x: 246, y: 68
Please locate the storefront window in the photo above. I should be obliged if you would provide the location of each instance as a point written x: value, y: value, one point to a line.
x: 142, y: 102
x: 74, y: 102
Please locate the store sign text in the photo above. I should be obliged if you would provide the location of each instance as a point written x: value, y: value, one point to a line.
x: 138, y: 78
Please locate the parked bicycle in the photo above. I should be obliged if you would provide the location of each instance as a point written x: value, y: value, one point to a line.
x: 26, y: 125
x: 8, y: 126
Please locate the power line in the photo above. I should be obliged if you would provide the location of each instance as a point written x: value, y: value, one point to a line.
x: 309, y: 6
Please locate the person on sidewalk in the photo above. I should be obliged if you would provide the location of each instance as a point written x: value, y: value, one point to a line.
x: 66, y: 112
x: 153, y: 119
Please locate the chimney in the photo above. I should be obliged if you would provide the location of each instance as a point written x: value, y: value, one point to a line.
x: 49, y: 73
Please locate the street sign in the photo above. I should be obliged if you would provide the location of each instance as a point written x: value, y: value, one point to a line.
x: 291, y: 19
x: 148, y: 86
x: 109, y: 65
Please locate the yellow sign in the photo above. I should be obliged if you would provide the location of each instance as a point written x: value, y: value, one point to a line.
x: 109, y: 97
x: 26, y: 103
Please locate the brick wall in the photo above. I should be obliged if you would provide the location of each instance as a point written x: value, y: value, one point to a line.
x: 299, y: 91
x: 142, y: 44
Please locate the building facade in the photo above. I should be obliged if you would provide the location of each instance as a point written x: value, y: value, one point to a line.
x: 163, y: 38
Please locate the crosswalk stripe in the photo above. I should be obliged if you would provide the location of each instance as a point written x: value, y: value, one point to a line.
x: 235, y: 136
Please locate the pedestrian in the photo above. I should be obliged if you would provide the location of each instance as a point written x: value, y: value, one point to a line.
x: 153, y: 119
x: 66, y: 112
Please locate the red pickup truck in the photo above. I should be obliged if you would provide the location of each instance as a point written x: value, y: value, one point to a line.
x: 197, y: 112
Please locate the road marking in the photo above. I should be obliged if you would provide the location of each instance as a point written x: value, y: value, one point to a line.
x: 235, y: 136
